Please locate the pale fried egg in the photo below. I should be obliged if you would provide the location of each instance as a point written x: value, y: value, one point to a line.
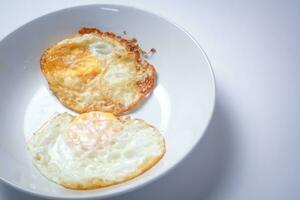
x: 98, y: 71
x: 95, y: 149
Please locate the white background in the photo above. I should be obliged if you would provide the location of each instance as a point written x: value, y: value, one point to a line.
x: 252, y: 147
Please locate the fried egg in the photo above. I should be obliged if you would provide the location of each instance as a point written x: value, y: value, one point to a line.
x: 95, y: 149
x: 98, y: 71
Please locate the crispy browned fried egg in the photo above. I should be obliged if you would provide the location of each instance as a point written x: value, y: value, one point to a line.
x: 98, y: 71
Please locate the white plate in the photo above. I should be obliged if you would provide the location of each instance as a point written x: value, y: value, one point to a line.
x: 181, y: 105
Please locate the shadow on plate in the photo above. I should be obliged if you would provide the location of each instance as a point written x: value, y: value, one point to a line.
x: 199, y: 176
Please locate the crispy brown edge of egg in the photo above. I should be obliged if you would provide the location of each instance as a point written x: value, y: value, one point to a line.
x: 131, y: 45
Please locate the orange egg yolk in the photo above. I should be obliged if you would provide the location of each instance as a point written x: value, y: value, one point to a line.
x: 74, y: 60
x: 91, y: 131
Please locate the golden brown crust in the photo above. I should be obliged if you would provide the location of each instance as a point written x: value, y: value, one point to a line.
x: 68, y: 97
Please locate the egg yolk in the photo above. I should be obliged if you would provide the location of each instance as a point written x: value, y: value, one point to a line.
x: 91, y: 131
x: 74, y: 60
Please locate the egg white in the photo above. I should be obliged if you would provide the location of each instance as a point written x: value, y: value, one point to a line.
x: 133, y: 147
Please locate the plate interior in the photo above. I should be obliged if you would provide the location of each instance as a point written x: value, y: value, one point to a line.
x: 180, y: 106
